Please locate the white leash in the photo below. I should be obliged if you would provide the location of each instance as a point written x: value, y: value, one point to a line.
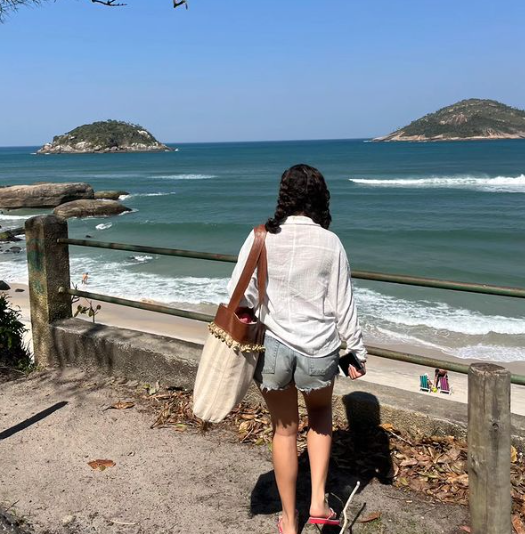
x: 345, y: 509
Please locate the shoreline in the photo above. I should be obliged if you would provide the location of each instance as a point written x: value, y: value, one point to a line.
x: 381, y: 371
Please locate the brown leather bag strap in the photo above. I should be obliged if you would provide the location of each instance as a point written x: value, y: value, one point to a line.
x: 262, y: 272
x: 249, y: 268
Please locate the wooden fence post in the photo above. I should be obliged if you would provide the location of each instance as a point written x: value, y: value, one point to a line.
x: 489, y: 449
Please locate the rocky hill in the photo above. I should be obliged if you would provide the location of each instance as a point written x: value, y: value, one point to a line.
x: 469, y: 119
x: 104, y: 136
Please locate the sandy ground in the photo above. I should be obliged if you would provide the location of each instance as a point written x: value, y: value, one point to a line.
x: 380, y: 371
x: 53, y: 423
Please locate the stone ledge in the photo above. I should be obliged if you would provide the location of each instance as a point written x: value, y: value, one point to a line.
x: 123, y: 352
x: 173, y: 362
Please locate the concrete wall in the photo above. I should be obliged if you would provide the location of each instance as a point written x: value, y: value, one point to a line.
x: 127, y: 353
x: 173, y: 362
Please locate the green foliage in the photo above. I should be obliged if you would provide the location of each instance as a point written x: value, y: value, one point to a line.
x: 13, y: 352
x: 108, y: 134
x: 469, y: 118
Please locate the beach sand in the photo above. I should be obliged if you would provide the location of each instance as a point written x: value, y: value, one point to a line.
x: 401, y: 375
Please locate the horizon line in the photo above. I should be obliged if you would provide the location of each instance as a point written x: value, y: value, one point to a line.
x: 230, y: 142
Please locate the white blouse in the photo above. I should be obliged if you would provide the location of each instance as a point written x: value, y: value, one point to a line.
x: 310, y: 304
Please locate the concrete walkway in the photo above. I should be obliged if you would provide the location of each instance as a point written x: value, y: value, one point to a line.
x: 52, y: 424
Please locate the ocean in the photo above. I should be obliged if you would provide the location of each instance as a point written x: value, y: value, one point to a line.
x: 445, y: 210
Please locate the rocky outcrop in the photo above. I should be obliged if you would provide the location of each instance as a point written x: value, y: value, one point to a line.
x: 4, y: 286
x: 110, y: 195
x: 84, y: 147
x: 43, y: 195
x: 10, y: 235
x: 90, y: 208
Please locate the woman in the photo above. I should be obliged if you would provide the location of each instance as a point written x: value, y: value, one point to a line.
x: 309, y: 310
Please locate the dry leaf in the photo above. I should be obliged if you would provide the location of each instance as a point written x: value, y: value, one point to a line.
x: 517, y: 524
x: 121, y: 405
x: 153, y: 389
x: 100, y: 465
x: 461, y: 479
x: 370, y: 517
x: 513, y: 454
x: 161, y: 396
x: 433, y: 466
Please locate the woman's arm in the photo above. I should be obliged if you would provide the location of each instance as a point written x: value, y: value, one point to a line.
x: 342, y: 295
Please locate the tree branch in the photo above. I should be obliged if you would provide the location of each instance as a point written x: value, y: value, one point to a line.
x: 10, y: 6
x: 109, y: 3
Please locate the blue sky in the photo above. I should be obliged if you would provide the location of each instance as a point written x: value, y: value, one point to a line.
x: 254, y: 70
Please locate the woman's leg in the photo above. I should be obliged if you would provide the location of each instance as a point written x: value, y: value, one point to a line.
x: 285, y: 420
x: 319, y: 441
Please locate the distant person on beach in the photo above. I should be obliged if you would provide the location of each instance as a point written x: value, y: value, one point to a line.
x: 85, y: 277
x: 309, y: 309
x: 437, y: 376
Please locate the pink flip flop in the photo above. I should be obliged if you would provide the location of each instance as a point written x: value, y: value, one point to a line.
x: 330, y: 520
x: 279, y: 523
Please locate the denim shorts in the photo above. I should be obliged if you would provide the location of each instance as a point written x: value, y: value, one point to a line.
x: 280, y: 366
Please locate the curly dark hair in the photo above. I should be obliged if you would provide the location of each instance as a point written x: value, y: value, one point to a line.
x: 302, y: 191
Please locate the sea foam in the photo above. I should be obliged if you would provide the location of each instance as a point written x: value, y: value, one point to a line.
x: 509, y: 184
x: 434, y: 315
x: 133, y: 195
x: 142, y: 259
x: 433, y: 324
x: 123, y: 279
x: 7, y: 217
x: 185, y: 176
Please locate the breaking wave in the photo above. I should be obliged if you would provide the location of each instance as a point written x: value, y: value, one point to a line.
x: 435, y: 315
x: 142, y: 259
x: 7, y: 217
x: 186, y: 176
x: 499, y: 183
x: 134, y: 195
x: 435, y: 325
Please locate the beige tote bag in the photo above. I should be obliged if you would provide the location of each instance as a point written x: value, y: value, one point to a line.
x: 232, y: 348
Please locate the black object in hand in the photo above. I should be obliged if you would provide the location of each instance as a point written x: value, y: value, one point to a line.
x: 350, y: 359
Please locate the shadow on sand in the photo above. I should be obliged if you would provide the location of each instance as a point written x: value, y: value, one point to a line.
x: 360, y: 452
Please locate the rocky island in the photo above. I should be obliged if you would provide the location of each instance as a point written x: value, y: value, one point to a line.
x: 104, y: 137
x: 472, y: 119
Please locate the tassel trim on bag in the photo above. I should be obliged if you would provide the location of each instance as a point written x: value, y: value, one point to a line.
x: 221, y: 334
